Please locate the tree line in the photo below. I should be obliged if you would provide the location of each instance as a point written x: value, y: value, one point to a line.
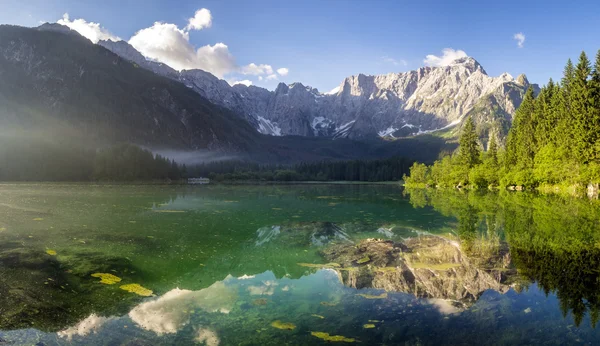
x: 41, y: 160
x: 554, y: 140
x: 49, y: 161
x: 353, y: 170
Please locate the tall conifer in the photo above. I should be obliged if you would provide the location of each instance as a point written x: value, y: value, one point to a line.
x: 583, y: 129
x: 469, y: 147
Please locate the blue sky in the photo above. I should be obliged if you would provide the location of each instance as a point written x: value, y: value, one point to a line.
x: 322, y: 42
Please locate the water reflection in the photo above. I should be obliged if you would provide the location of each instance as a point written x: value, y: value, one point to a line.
x: 423, y: 268
x: 553, y: 240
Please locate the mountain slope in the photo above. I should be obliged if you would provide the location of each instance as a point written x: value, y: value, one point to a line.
x: 392, y: 105
x: 64, y: 82
x: 59, y: 91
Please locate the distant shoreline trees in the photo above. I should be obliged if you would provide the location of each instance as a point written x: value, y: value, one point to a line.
x: 50, y: 161
x: 554, y: 139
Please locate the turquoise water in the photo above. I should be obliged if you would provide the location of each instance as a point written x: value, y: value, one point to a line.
x: 294, y: 264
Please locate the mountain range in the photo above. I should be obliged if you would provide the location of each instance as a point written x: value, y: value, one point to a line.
x: 53, y: 78
x: 389, y: 106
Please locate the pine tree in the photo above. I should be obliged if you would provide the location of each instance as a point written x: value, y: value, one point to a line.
x: 545, y: 115
x: 594, y: 107
x: 520, y: 146
x: 568, y: 76
x: 468, y: 145
x: 493, y: 151
x: 583, y: 127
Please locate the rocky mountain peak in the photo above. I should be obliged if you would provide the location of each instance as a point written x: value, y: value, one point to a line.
x: 469, y: 63
x: 391, y: 105
x: 58, y: 28
x: 522, y: 80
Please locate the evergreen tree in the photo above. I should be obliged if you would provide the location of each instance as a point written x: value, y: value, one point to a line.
x: 521, y: 141
x: 568, y: 76
x: 594, y: 107
x: 492, y: 152
x: 545, y: 116
x: 583, y: 128
x: 469, y: 147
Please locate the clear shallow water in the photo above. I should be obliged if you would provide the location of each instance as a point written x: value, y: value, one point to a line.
x: 233, y: 265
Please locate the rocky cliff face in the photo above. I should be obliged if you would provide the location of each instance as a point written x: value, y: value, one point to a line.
x: 392, y: 105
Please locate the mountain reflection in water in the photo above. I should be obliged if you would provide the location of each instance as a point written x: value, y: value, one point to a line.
x: 272, y: 265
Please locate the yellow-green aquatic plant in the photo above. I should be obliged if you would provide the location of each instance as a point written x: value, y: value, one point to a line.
x: 384, y: 295
x: 106, y: 278
x: 137, y: 289
x: 283, y: 325
x: 333, y: 338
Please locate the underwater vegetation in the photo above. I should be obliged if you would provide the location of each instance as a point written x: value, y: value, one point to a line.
x: 107, y: 278
x: 137, y: 289
x: 332, y: 338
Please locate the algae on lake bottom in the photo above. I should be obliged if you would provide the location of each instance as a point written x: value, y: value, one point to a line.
x: 137, y: 289
x: 107, y: 278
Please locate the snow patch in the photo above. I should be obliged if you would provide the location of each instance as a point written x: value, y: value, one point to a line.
x: 454, y: 123
x: 267, y: 127
x: 387, y: 132
x: 319, y: 123
x: 333, y: 91
x: 342, y: 131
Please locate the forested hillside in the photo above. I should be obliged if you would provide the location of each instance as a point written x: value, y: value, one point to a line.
x: 554, y: 139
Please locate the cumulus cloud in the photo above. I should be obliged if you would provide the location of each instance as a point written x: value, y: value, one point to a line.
x: 201, y: 19
x: 245, y: 82
x: 520, y: 38
x: 168, y: 44
x: 448, y: 56
x: 90, y: 30
x: 283, y: 71
x: 256, y: 70
x: 394, y: 61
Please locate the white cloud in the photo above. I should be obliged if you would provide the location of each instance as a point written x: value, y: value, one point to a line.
x: 448, y: 56
x: 520, y: 37
x: 256, y: 70
x: 90, y: 30
x: 245, y: 82
x: 202, y: 19
x: 283, y: 71
x: 260, y: 78
x: 394, y: 61
x: 168, y: 44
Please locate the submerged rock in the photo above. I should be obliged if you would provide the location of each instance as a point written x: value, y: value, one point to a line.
x: 426, y: 266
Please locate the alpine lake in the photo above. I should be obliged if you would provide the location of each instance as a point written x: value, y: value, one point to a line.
x: 85, y: 264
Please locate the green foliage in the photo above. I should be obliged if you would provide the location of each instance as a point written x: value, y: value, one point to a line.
x: 553, y: 240
x: 468, y: 151
x: 419, y: 175
x: 554, y: 139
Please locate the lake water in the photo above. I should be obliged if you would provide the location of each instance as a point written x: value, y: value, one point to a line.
x: 295, y: 264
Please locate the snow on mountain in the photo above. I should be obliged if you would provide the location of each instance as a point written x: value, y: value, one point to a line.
x: 430, y: 98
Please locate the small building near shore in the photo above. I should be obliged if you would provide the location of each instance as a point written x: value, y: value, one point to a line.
x: 196, y: 181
